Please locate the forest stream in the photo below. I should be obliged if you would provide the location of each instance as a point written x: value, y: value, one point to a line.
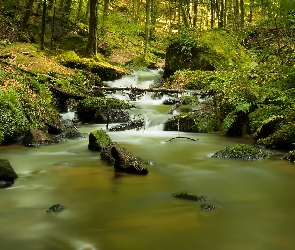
x: 107, y: 210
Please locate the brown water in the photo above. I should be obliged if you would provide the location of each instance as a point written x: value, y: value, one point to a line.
x: 111, y: 211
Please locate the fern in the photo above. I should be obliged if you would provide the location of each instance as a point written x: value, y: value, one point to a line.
x: 230, y: 119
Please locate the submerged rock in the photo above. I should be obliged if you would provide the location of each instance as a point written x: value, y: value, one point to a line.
x: 7, y: 173
x: 135, y: 124
x: 242, y: 152
x: 122, y: 159
x: 98, y: 139
x: 187, y: 196
x: 207, y: 207
x: 55, y: 208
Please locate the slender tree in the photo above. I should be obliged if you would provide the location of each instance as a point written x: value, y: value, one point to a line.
x: 43, y: 25
x: 104, y: 16
x: 92, y: 36
x: 242, y: 14
x: 147, y: 26
x: 27, y: 14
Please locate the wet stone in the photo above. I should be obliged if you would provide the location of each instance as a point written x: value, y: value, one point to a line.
x: 55, y: 208
x: 187, y: 196
x: 207, y: 207
x: 64, y: 164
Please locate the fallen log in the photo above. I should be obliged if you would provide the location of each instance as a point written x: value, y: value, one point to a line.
x: 157, y: 90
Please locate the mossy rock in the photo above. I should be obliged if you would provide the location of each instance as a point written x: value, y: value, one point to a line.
x: 104, y: 70
x: 7, y: 173
x: 72, y: 133
x: 290, y: 156
x: 87, y: 108
x: 241, y: 152
x: 35, y: 137
x: 283, y: 138
x: 122, y: 159
x: 98, y: 139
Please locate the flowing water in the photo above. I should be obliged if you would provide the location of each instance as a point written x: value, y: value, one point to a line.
x: 112, y: 211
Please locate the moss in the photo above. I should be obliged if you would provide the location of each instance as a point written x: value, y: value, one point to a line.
x: 73, y: 42
x: 209, y: 50
x: 241, y: 152
x: 105, y: 70
x: 98, y: 139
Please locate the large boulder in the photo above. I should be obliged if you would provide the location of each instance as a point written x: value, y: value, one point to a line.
x: 122, y: 159
x: 194, y: 59
x: 98, y: 139
x: 7, y: 173
x: 92, y: 109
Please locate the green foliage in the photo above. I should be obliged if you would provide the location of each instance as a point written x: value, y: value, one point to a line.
x: 68, y: 56
x: 236, y: 116
x: 290, y: 156
x: 12, y: 117
x: 190, y: 79
x: 186, y: 41
x: 24, y: 103
x: 224, y: 50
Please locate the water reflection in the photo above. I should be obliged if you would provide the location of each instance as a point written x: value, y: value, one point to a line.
x: 110, y: 210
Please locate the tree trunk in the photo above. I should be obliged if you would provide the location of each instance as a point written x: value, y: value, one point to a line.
x: 91, y: 48
x: 53, y: 25
x: 147, y: 28
x: 43, y: 25
x: 236, y: 11
x: 221, y: 15
x: 195, y: 8
x: 212, y: 13
x: 251, y: 11
x: 104, y: 16
x: 242, y: 9
x: 154, y: 11
x: 27, y: 15
x: 184, y: 15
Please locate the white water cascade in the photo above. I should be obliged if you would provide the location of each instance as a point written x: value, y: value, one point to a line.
x: 144, y: 78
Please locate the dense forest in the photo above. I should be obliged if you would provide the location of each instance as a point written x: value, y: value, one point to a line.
x: 240, y: 51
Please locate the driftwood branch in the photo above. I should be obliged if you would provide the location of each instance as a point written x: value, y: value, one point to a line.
x: 182, y: 137
x: 175, y: 106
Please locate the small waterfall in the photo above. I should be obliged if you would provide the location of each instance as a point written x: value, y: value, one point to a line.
x: 154, y: 117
